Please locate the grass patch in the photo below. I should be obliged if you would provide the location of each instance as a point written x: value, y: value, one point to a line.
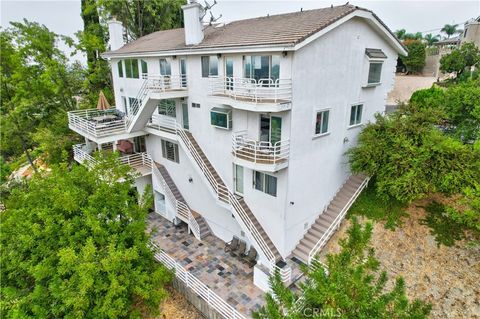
x: 370, y: 205
x: 445, y: 230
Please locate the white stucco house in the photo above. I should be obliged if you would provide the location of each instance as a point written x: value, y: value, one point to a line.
x: 242, y: 128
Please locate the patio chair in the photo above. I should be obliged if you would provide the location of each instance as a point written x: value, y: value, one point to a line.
x: 241, y: 249
x: 231, y: 245
x: 251, y: 257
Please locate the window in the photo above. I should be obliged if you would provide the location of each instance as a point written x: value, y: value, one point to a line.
x: 125, y: 107
x: 265, y: 183
x: 167, y: 107
x: 221, y: 118
x: 209, y: 66
x: 170, y: 151
x: 321, y: 122
x: 262, y: 67
x: 131, y: 68
x: 374, y: 72
x: 196, y: 105
x: 120, y: 69
x: 165, y: 68
x: 139, y: 144
x: 356, y: 114
x: 144, y: 67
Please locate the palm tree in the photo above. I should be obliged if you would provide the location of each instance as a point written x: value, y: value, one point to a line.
x: 431, y: 39
x: 400, y: 34
x: 450, y: 29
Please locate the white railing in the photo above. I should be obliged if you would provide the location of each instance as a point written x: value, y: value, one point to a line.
x: 224, y: 194
x: 201, y: 289
x: 257, y: 91
x: 259, y: 151
x: 157, y: 84
x: 336, y: 222
x: 181, y: 209
x: 89, y: 122
x: 163, y: 123
x: 137, y: 160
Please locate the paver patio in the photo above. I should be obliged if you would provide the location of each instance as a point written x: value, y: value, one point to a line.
x: 227, y: 276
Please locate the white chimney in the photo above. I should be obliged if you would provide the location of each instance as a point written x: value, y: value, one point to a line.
x: 115, y: 32
x: 192, y: 13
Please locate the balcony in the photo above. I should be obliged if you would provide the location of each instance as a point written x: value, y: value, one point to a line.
x: 264, y: 95
x: 100, y: 126
x: 139, y: 162
x: 166, y: 86
x: 259, y: 155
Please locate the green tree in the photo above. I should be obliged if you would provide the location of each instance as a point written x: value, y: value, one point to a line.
x: 92, y: 41
x: 410, y: 157
x: 143, y: 17
x: 430, y: 39
x: 37, y: 84
x: 460, y: 59
x: 74, y: 245
x: 415, y: 60
x: 400, y: 34
x: 450, y: 29
x: 353, y: 287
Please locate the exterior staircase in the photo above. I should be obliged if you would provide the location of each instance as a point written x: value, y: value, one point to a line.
x: 238, y: 206
x: 196, y: 223
x: 326, y: 224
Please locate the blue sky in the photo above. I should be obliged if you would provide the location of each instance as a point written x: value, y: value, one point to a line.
x: 63, y: 17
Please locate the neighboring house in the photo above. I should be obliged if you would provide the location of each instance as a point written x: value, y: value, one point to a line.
x: 471, y: 31
x: 249, y: 122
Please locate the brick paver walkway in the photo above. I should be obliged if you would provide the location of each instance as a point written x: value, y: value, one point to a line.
x: 227, y: 276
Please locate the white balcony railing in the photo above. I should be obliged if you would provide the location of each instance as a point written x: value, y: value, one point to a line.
x: 97, y: 123
x: 251, y: 90
x: 137, y: 161
x: 201, y: 289
x: 157, y: 84
x: 259, y: 152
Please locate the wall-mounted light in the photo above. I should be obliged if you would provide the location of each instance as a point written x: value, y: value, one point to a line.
x: 121, y: 89
x: 292, y: 203
x: 174, y: 57
x: 190, y: 180
x: 284, y: 53
x: 219, y: 55
x: 345, y: 140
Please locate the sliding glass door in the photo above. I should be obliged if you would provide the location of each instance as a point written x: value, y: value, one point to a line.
x: 264, y: 68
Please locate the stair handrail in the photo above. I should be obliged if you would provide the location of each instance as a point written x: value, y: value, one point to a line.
x: 328, y: 233
x: 181, y: 209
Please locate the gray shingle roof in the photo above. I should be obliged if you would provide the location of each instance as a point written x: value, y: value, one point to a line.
x: 282, y: 29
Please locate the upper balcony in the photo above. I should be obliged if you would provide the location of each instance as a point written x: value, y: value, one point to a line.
x: 260, y: 155
x: 263, y: 95
x: 100, y: 126
x: 166, y: 86
x: 139, y: 162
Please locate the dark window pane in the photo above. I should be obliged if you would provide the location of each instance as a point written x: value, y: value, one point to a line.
x: 374, y: 73
x: 205, y: 63
x: 259, y: 181
x: 144, y: 67
x: 213, y: 65
x: 318, y: 123
x: 352, y: 115
x: 325, y: 121
x: 219, y: 119
x: 247, y: 64
x: 120, y: 69
x: 275, y: 73
x: 128, y: 68
x: 135, y: 73
x: 359, y: 114
x: 270, y: 185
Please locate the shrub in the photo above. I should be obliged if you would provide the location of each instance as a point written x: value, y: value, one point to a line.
x: 415, y: 60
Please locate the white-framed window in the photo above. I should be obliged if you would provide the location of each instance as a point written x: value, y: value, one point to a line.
x: 209, y: 66
x: 356, y: 114
x: 144, y: 66
x: 322, y: 118
x: 170, y: 151
x: 167, y: 107
x: 221, y: 118
x: 265, y: 183
x: 375, y: 57
x: 262, y: 67
x: 131, y: 68
x: 374, y: 72
x: 120, y: 68
x: 165, y: 68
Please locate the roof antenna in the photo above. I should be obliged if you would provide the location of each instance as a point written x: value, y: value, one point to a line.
x: 213, y: 19
x: 346, y: 3
x: 331, y: 6
x: 301, y: 9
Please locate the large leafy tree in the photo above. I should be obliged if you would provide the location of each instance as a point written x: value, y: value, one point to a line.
x: 92, y: 41
x: 415, y: 60
x: 38, y: 84
x: 353, y: 287
x: 74, y: 245
x: 141, y: 17
x: 410, y: 157
x: 460, y: 59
